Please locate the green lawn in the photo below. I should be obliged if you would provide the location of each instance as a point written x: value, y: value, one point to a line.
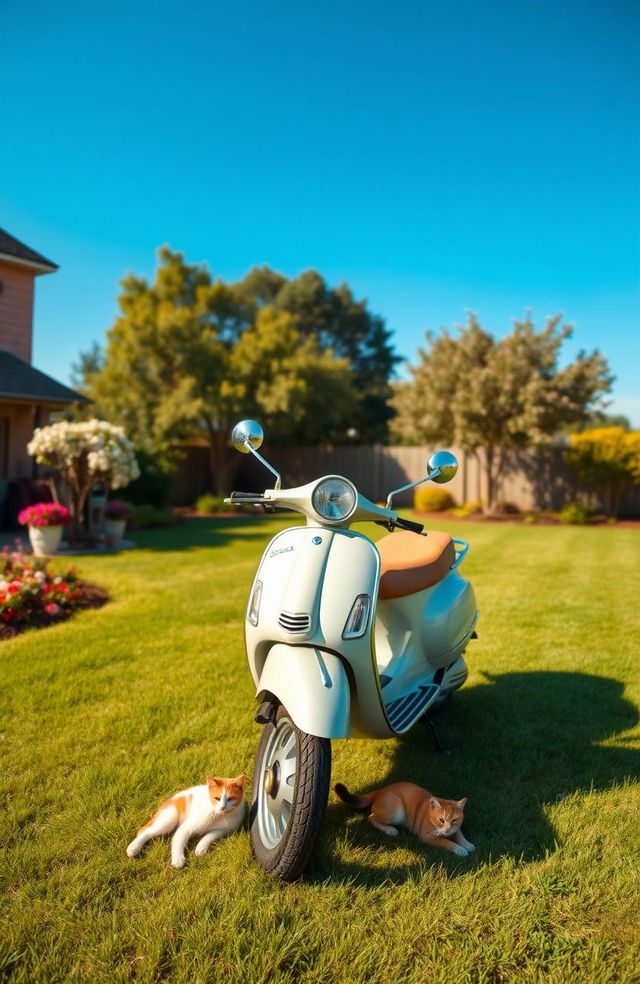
x: 103, y: 716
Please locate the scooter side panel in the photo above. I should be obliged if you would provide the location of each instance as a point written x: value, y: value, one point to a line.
x: 431, y: 627
x: 312, y: 684
x: 449, y: 618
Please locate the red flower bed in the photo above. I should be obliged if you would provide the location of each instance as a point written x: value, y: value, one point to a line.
x: 33, y: 593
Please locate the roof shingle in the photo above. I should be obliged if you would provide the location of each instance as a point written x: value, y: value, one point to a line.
x: 11, y: 246
x: 20, y: 381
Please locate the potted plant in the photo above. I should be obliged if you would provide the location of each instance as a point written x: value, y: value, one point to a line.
x: 45, y: 522
x: 116, y: 514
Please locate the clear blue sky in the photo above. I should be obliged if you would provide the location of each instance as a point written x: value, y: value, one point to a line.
x: 439, y: 157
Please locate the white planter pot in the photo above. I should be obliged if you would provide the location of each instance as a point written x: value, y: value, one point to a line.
x: 45, y: 540
x: 115, y: 528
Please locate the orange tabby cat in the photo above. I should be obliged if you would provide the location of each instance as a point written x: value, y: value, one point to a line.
x: 435, y: 821
x: 211, y: 811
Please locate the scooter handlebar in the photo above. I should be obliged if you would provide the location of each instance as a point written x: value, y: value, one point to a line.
x: 299, y: 500
x: 247, y: 497
x: 404, y: 524
x: 408, y: 524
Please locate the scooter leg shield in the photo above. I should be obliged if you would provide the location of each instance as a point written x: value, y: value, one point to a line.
x: 313, y: 686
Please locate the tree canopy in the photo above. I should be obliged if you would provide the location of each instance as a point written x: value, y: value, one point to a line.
x: 188, y: 352
x: 488, y: 395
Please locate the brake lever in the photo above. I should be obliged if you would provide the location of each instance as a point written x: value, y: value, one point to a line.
x: 387, y: 524
x: 402, y: 524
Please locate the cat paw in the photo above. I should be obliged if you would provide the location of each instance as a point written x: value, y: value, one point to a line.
x: 199, y: 851
x: 470, y: 847
x: 177, y: 862
x: 461, y: 852
x: 132, y: 851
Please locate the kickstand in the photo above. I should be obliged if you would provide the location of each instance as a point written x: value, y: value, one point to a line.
x: 435, y: 740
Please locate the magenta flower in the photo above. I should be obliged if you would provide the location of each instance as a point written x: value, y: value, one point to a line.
x: 117, y: 510
x: 45, y: 514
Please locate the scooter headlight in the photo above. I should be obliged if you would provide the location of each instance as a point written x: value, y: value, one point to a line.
x: 334, y: 499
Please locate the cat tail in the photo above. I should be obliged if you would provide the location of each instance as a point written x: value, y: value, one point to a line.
x: 357, y: 802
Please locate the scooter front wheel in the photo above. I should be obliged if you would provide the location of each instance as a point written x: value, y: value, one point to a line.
x: 289, y: 799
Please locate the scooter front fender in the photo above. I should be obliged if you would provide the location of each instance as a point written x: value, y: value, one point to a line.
x: 313, y: 686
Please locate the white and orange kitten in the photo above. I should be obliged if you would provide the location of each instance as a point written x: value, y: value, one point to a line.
x: 210, y: 811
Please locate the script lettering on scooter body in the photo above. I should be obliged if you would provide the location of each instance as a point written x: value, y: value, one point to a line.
x: 281, y: 550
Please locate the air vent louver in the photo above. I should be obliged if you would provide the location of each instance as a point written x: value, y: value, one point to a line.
x: 295, y: 623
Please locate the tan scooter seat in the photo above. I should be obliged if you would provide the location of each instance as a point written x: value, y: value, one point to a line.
x: 412, y: 563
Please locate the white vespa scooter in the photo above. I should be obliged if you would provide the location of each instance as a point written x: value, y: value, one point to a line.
x: 344, y: 638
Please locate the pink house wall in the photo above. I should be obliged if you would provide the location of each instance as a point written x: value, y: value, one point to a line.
x: 16, y: 310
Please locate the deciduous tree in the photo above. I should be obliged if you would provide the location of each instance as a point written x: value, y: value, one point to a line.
x: 188, y: 353
x: 488, y: 395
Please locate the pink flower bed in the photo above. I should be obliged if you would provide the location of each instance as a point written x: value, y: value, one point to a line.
x: 33, y: 593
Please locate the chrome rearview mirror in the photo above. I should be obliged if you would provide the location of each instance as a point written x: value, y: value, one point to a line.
x: 247, y: 436
x: 442, y: 467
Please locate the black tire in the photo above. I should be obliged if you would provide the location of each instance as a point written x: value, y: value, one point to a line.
x: 289, y: 797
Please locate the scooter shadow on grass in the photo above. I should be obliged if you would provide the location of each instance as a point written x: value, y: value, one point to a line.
x: 520, y: 742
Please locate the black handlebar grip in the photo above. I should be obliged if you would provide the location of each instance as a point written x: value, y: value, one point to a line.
x: 408, y: 524
x: 246, y: 495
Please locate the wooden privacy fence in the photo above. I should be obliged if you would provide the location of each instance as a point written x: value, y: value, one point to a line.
x: 533, y: 479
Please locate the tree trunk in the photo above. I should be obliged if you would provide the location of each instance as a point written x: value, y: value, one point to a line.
x: 79, y: 481
x: 490, y: 476
x: 77, y: 519
x: 494, y: 464
x: 51, y: 482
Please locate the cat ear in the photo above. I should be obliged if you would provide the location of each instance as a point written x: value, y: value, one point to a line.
x: 212, y: 782
x: 463, y: 802
x: 434, y: 803
x: 240, y: 780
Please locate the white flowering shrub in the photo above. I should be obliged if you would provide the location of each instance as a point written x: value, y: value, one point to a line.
x: 85, y: 453
x: 96, y: 445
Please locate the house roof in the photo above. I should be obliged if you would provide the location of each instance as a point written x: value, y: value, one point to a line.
x: 13, y: 251
x: 20, y: 381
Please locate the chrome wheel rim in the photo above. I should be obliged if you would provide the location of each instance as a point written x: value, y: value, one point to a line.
x: 276, y: 783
